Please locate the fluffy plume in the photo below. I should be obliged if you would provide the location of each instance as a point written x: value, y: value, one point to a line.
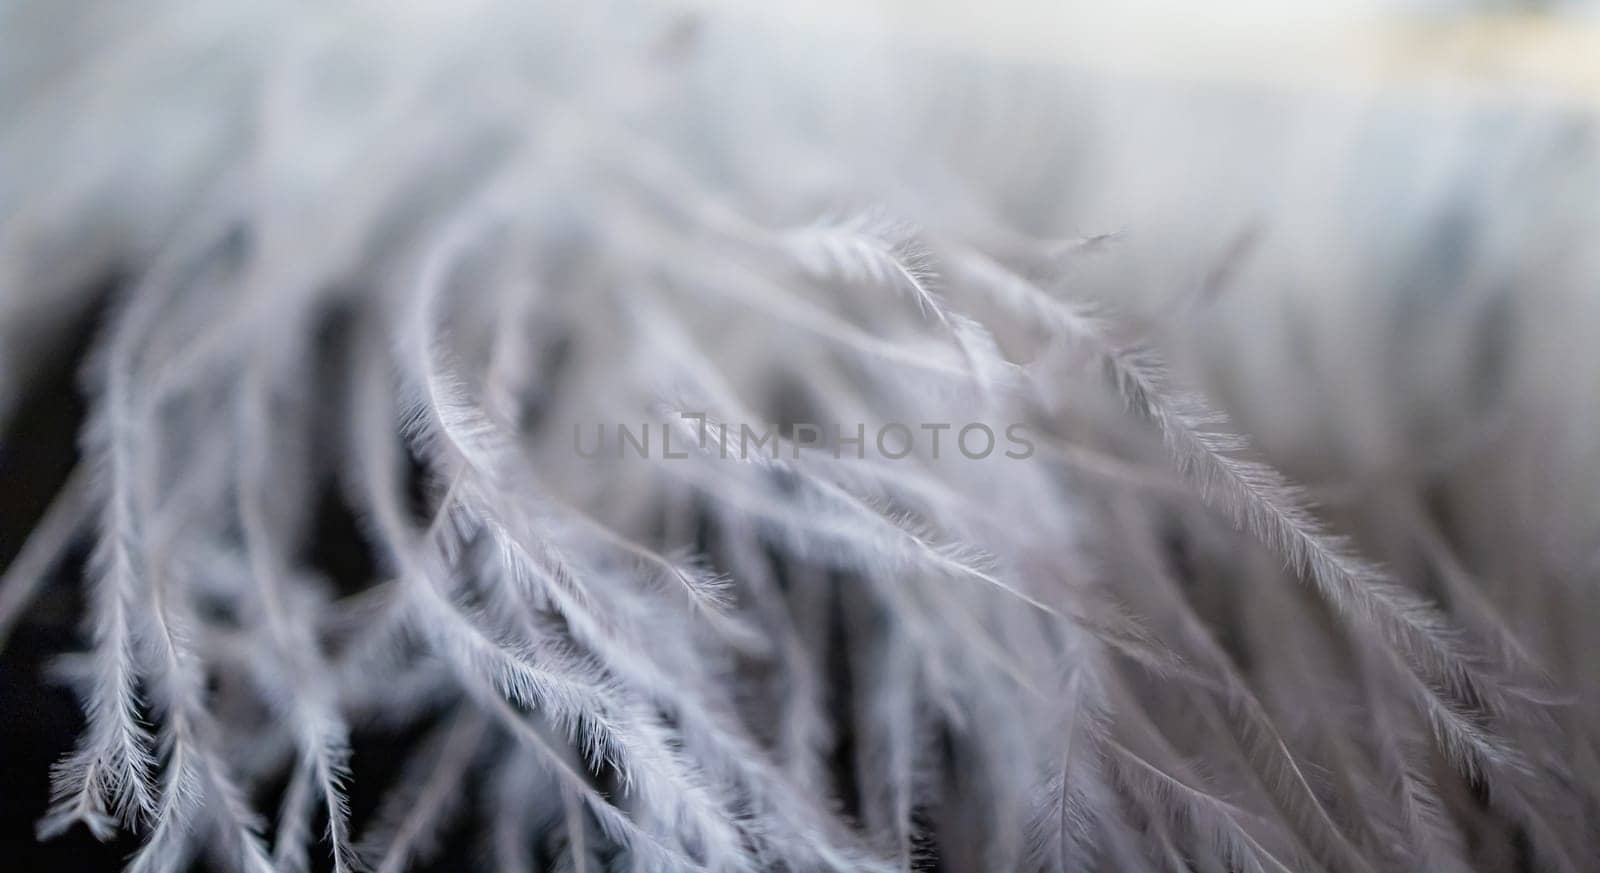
x: 636, y: 439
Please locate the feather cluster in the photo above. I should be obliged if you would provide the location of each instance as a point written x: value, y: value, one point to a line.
x: 402, y: 261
